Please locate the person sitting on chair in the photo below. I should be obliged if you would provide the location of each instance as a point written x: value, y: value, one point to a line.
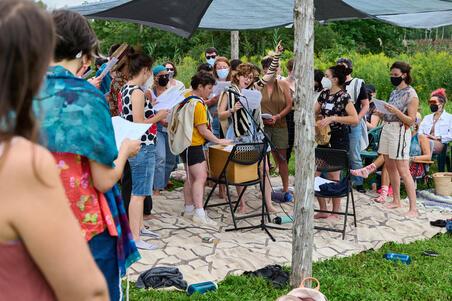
x: 437, y: 127
x: 420, y: 150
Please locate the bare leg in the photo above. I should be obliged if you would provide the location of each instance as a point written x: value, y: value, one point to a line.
x: 136, y: 215
x: 243, y: 208
x: 404, y: 171
x: 198, y: 174
x: 394, y: 177
x: 283, y: 167
x: 335, y: 176
x: 384, y: 186
x: 187, y: 188
x: 322, y: 205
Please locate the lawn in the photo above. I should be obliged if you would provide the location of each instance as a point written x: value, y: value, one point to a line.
x: 365, y: 276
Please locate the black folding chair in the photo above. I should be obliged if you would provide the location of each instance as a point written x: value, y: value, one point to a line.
x: 330, y: 160
x: 243, y: 154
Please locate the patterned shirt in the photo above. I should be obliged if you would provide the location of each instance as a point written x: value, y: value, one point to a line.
x: 334, y: 105
x: 400, y: 98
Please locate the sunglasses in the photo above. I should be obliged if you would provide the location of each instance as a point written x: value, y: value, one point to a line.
x: 164, y: 76
x: 169, y: 69
x: 210, y: 56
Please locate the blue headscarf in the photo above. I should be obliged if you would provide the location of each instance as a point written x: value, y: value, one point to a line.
x: 74, y: 117
x: 157, y: 69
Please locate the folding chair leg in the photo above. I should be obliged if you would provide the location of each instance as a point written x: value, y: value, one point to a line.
x: 210, y: 195
x: 345, y: 216
x: 230, y: 206
x: 353, y: 205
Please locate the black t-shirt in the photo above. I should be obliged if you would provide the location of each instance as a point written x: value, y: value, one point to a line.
x: 361, y: 95
x: 334, y: 105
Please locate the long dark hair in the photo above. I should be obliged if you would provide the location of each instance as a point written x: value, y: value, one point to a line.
x: 339, y: 72
x: 27, y: 39
x: 404, y: 68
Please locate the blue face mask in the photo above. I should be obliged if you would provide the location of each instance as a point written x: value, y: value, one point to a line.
x: 223, y: 73
x: 211, y: 61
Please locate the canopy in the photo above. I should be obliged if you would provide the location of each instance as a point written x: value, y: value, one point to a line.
x: 183, y: 17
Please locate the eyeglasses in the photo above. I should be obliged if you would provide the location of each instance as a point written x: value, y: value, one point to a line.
x: 169, y: 69
x: 211, y: 56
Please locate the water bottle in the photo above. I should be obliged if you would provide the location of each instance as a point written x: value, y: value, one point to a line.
x: 406, y: 259
x: 283, y: 219
x: 201, y: 287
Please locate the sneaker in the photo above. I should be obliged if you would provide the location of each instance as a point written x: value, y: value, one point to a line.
x: 149, y: 233
x: 204, y: 221
x: 188, y: 215
x: 142, y: 245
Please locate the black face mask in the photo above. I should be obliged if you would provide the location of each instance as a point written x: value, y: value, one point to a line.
x: 434, y: 108
x: 163, y: 81
x: 396, y: 80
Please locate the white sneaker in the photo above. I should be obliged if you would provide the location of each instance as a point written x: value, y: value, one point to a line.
x: 142, y: 245
x: 203, y: 220
x: 187, y: 214
x: 149, y: 233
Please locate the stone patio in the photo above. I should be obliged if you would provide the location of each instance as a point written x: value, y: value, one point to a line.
x: 181, y: 242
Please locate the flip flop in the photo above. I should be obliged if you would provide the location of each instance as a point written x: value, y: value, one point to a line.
x: 439, y: 223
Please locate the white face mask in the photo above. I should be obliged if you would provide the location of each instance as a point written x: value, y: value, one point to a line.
x: 326, y: 83
x: 223, y: 73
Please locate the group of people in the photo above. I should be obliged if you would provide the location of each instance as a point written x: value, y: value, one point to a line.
x: 406, y: 143
x: 47, y: 101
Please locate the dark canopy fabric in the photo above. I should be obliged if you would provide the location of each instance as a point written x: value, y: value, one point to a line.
x: 183, y: 17
x: 179, y: 16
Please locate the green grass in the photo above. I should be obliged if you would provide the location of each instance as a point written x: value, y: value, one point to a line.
x: 365, y: 276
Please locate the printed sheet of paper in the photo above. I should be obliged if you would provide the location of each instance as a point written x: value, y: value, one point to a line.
x: 319, y: 181
x: 380, y: 106
x: 169, y: 99
x: 125, y: 129
x: 219, y: 87
x: 110, y: 65
x: 253, y: 98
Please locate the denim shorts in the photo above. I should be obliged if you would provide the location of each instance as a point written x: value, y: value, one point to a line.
x: 142, y: 167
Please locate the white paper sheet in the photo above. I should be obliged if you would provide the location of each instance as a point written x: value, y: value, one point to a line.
x: 125, y: 129
x: 169, y: 99
x: 266, y: 116
x: 380, y: 106
x: 219, y: 87
x: 110, y: 65
x: 253, y: 98
x: 319, y: 181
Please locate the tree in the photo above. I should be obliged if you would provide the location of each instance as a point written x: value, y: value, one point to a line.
x: 302, y: 233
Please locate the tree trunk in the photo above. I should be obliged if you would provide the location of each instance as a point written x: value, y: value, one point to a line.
x: 235, y: 38
x: 302, y: 233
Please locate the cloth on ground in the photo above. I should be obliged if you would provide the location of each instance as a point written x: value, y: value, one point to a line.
x: 160, y: 277
x: 433, y: 201
x: 273, y: 273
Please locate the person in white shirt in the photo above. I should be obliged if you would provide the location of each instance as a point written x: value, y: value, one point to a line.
x: 438, y: 125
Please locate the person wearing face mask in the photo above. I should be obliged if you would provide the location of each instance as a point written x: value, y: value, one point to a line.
x: 192, y: 116
x: 395, y: 136
x: 160, y: 85
x: 211, y: 54
x: 420, y: 150
x: 172, y: 72
x: 336, y: 108
x: 355, y: 87
x: 136, y: 108
x: 438, y: 125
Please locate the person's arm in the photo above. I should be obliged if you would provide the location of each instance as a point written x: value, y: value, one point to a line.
x: 105, y: 177
x: 271, y: 72
x: 350, y: 119
x: 43, y: 220
x: 212, y: 101
x: 425, y: 148
x: 409, y: 118
x: 223, y: 112
x: 374, y: 120
x: 364, y: 108
x: 138, y: 109
x: 208, y: 135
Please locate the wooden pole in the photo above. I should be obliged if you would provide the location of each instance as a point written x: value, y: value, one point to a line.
x: 235, y: 39
x: 303, y: 227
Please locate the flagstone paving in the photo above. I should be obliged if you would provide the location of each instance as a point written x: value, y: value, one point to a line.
x: 181, y: 241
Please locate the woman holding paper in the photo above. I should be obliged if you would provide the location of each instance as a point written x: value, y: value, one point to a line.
x: 136, y: 108
x: 395, y: 136
x: 335, y: 107
x: 76, y: 126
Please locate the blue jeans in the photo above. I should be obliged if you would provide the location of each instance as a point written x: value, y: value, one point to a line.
x: 164, y: 163
x: 354, y: 152
x: 142, y: 167
x: 103, y: 248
